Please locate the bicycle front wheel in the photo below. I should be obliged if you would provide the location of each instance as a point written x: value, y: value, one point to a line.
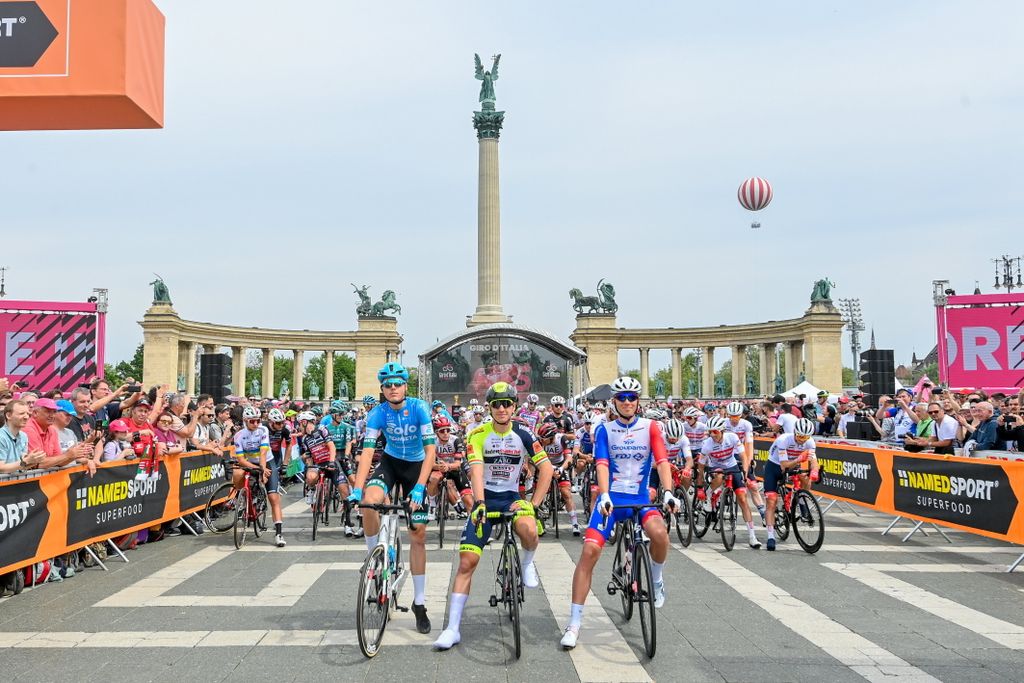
x: 684, y: 518
x: 241, y: 516
x: 372, y: 602
x: 781, y: 517
x: 622, y: 572
x: 512, y: 591
x: 727, y: 518
x: 318, y: 504
x: 645, y: 597
x: 220, y: 517
x: 808, y: 522
x: 553, y: 497
x: 259, y: 523
x: 442, y: 513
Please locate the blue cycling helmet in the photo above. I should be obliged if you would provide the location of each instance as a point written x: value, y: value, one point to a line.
x: 437, y: 404
x: 369, y: 400
x: 392, y: 371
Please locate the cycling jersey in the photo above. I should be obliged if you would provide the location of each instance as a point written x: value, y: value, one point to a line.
x: 743, y: 430
x: 503, y: 456
x: 407, y: 429
x: 341, y: 434
x: 249, y: 443
x: 721, y: 455
x: 679, y: 450
x: 564, y: 422
x: 558, y: 449
x: 315, y: 444
x: 627, y: 450
x: 586, y: 441
x: 695, y: 434
x: 446, y: 450
x: 278, y: 440
x: 785, y: 448
x: 530, y: 417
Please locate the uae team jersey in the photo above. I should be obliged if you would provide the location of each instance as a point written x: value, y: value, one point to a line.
x: 559, y: 447
x: 629, y: 451
x: 743, y: 430
x: 721, y: 455
x: 503, y: 456
x: 407, y: 430
x: 248, y: 443
x: 785, y: 448
x: 446, y: 450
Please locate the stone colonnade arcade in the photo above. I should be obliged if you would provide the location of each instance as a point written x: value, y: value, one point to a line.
x: 170, y: 345
x: 812, y: 344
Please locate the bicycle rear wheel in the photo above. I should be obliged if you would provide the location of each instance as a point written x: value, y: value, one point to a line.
x: 727, y: 518
x: 781, y: 517
x: 645, y: 598
x: 512, y: 588
x: 808, y: 522
x: 442, y: 513
x: 260, y: 505
x: 701, y: 518
x: 220, y: 517
x: 684, y: 518
x: 318, y: 501
x: 241, y: 516
x: 553, y: 497
x: 372, y: 602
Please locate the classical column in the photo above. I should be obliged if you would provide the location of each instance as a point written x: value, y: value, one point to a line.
x: 644, y: 372
x: 297, y: 371
x: 488, y: 251
x: 238, y: 370
x: 792, y: 371
x: 798, y: 360
x: 268, y: 374
x: 329, y: 389
x: 739, y: 370
x: 766, y: 363
x: 190, y: 368
x: 677, y: 374
x: 707, y: 385
x: 182, y: 370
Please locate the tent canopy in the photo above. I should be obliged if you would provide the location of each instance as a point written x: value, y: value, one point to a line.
x: 602, y: 392
x: 804, y: 387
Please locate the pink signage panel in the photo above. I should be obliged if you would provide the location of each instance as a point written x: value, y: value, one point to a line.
x: 984, y: 346
x: 51, y: 345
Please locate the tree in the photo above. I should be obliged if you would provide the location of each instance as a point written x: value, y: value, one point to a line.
x: 116, y: 374
x: 849, y: 377
x: 344, y: 368
x: 254, y: 370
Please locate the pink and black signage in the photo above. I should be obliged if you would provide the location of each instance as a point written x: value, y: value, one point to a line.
x: 981, y: 341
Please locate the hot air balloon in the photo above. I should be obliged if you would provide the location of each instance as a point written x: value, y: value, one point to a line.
x: 754, y: 194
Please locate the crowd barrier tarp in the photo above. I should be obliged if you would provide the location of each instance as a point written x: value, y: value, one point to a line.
x: 61, y: 511
x: 974, y: 494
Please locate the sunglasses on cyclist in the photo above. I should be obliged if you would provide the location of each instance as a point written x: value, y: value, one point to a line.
x: 502, y: 403
x: 443, y: 431
x: 715, y: 431
x: 391, y: 383
x: 628, y: 397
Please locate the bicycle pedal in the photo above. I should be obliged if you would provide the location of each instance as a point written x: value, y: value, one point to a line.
x: 493, y: 601
x: 400, y: 608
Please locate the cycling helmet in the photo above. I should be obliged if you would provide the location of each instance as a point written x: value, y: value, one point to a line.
x: 339, y: 408
x: 307, y: 416
x: 547, y: 430
x: 625, y: 385
x: 734, y: 408
x: 478, y: 410
x: 590, y: 419
x: 716, y: 423
x: 709, y: 406
x: 804, y: 427
x: 437, y: 404
x: 392, y: 371
x: 442, y: 422
x: 251, y: 413
x: 558, y: 400
x: 532, y: 398
x: 692, y: 412
x: 369, y: 400
x: 317, y: 410
x: 503, y: 390
x: 474, y: 402
x: 275, y: 415
x: 674, y: 428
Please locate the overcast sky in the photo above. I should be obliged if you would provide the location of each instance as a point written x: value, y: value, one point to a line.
x: 310, y: 145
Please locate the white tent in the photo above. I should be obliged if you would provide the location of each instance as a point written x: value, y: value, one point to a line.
x: 804, y: 387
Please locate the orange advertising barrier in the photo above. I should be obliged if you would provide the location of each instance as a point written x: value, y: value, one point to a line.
x: 80, y: 64
x: 45, y: 516
x: 979, y: 495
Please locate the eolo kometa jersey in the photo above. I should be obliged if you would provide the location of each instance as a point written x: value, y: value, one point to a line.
x: 503, y: 456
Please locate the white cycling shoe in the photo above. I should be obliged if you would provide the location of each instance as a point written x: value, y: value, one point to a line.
x: 659, y: 594
x: 447, y: 639
x: 530, y: 579
x: 569, y: 638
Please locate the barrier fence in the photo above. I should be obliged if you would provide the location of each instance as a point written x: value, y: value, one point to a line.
x: 54, y: 513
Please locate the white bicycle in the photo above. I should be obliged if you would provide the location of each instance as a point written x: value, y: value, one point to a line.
x: 381, y: 578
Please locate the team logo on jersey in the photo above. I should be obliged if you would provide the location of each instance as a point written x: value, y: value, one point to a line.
x: 537, y: 448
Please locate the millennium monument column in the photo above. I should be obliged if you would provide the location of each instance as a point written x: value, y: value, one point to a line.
x: 487, y: 123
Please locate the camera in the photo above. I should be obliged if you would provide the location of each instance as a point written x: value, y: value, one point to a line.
x: 937, y: 390
x: 133, y: 388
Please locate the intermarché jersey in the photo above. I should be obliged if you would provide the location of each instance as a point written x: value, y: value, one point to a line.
x: 785, y: 448
x: 249, y: 443
x: 503, y: 456
x: 407, y: 429
x: 720, y: 455
x: 627, y: 450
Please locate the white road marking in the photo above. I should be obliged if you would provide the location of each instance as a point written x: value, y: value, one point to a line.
x: 925, y: 568
x: 859, y: 548
x: 1003, y: 632
x: 862, y: 656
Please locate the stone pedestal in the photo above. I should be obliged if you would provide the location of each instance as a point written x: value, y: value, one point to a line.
x: 160, y: 346
x: 378, y: 336
x: 598, y: 336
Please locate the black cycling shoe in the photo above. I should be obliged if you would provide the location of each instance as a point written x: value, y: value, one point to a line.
x: 422, y: 620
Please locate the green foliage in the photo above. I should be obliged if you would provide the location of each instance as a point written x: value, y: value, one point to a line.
x: 117, y: 373
x: 850, y: 377
x: 344, y: 368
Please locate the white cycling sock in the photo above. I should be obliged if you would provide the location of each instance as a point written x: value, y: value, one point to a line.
x: 455, y: 606
x: 419, y: 584
x: 750, y: 526
x: 528, y: 556
x: 656, y: 569
x: 371, y: 541
x: 575, y: 615
x: 771, y: 532
x: 432, y: 501
x: 572, y: 517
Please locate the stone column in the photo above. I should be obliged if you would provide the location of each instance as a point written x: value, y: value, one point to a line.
x: 598, y: 336
x: 793, y: 363
x: 190, y: 368
x: 766, y: 358
x: 823, y: 342
x: 161, y: 352
x: 329, y: 390
x: 677, y: 374
x: 182, y: 370
x: 739, y: 370
x: 376, y: 336
x: 297, y: 372
x: 645, y: 369
x: 238, y: 370
x: 488, y: 273
x: 707, y: 385
x: 268, y: 373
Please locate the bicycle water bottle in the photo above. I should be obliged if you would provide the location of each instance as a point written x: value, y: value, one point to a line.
x: 391, y: 556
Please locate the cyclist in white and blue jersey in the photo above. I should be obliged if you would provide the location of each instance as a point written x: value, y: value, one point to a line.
x: 407, y: 461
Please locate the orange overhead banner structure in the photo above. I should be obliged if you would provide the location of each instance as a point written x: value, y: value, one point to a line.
x: 81, y: 64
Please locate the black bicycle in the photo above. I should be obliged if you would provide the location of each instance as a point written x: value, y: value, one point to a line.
x: 548, y: 510
x: 587, y: 479
x: 631, y: 574
x: 796, y: 508
x: 509, y: 576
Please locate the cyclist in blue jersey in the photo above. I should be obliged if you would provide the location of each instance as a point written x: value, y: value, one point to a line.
x: 407, y: 462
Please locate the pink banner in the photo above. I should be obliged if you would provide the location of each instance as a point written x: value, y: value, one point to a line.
x: 50, y: 346
x: 984, y: 346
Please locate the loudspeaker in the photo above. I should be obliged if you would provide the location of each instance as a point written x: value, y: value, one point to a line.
x: 861, y: 430
x: 877, y: 375
x: 215, y: 375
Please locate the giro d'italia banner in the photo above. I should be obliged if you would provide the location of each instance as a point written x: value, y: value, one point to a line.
x: 466, y: 370
x: 54, y: 513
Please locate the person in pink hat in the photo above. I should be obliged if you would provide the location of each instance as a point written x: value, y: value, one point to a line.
x: 42, y: 435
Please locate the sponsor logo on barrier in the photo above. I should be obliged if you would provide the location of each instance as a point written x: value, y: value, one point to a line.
x: 25, y: 34
x: 201, y: 475
x: 969, y: 494
x: 112, y: 492
x: 849, y: 474
x: 113, y: 500
x: 23, y: 518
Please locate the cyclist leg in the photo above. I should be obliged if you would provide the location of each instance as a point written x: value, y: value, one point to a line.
x: 772, y: 477
x: 274, y: 498
x: 407, y: 474
x: 564, y: 488
x: 653, y: 524
x: 740, y: 488
x: 379, y: 483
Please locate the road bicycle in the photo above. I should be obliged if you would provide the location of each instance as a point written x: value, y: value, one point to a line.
x: 682, y: 518
x: 324, y: 493
x: 381, y: 578
x: 250, y: 506
x: 219, y: 514
x: 722, y: 515
x: 798, y: 510
x: 508, y: 578
x: 631, y: 574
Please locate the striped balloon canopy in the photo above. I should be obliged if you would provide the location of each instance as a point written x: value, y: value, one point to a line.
x: 755, y: 194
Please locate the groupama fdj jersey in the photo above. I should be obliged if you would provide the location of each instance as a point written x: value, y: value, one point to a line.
x: 407, y: 429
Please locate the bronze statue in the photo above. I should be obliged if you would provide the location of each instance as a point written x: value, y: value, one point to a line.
x: 822, y: 291
x: 579, y: 302
x: 488, y: 78
x: 604, y: 302
x: 161, y: 295
x: 365, y: 305
x: 386, y: 303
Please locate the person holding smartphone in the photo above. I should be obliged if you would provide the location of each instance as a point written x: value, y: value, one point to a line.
x: 1010, y: 425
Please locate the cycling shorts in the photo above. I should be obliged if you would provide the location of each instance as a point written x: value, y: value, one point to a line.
x: 391, y: 472
x: 458, y: 477
x: 773, y: 476
x: 496, y: 501
x: 738, y: 481
x: 274, y: 482
x: 563, y: 478
x: 595, y: 534
x: 345, y: 466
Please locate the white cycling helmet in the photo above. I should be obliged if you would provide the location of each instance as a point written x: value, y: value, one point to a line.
x: 474, y: 402
x: 307, y: 416
x: 734, y: 408
x: 251, y: 413
x: 625, y: 385
x: 716, y: 422
x: 558, y: 400
x: 804, y: 427
x: 275, y: 415
x: 674, y: 428
x: 692, y: 412
x: 532, y: 398
x: 479, y: 410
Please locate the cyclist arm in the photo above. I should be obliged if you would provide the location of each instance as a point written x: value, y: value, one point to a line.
x: 544, y: 473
